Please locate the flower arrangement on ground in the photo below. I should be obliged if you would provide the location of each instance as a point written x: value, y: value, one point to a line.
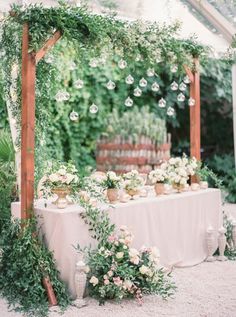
x: 119, y: 271
x: 112, y: 183
x: 61, y: 179
x: 133, y: 181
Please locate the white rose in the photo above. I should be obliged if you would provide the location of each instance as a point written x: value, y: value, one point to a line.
x: 110, y: 273
x: 62, y: 171
x: 119, y: 255
x: 93, y: 281
x: 143, y: 269
x: 133, y: 252
x: 127, y: 284
x: 53, y: 178
x: 172, y: 161
x: 134, y: 260
x: 69, y: 178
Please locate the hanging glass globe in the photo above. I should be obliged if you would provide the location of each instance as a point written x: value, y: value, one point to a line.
x: 174, y: 86
x: 79, y: 84
x: 93, y: 108
x: 191, y: 102
x: 62, y: 96
x: 93, y: 63
x: 111, y: 85
x: 74, y: 116
x: 181, y: 97
x: 72, y: 66
x: 155, y: 86
x: 122, y: 64
x: 49, y: 59
x: 162, y: 103
x: 138, y: 58
x: 186, y: 80
x: 129, y: 80
x: 129, y: 102
x: 143, y: 82
x: 150, y: 72
x: 182, y: 87
x: 170, y: 111
x: 137, y: 92
x: 174, y: 68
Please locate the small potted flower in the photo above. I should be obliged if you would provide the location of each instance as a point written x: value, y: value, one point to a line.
x: 203, y: 174
x: 159, y: 177
x: 112, y: 183
x: 132, y: 183
x: 61, y: 179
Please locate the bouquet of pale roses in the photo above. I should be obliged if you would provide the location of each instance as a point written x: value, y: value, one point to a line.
x: 117, y: 271
x: 132, y: 181
x: 159, y: 175
x: 60, y: 175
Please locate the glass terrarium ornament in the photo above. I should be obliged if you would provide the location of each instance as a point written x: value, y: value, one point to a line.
x: 170, y: 111
x: 49, y: 59
x: 122, y: 64
x: 191, y: 102
x: 79, y: 84
x: 93, y: 63
x: 174, y: 68
x: 137, y: 92
x: 150, y: 72
x: 74, y: 116
x: 111, y: 85
x: 142, y: 82
x: 129, y: 80
x: 174, y: 86
x: 182, y: 87
x: 162, y: 103
x: 62, y: 96
x: 93, y: 108
x: 181, y: 97
x: 186, y: 80
x: 155, y: 86
x: 129, y: 102
x: 72, y: 66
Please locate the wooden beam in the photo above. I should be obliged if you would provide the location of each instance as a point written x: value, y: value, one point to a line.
x: 195, y: 119
x: 28, y: 126
x: 189, y: 72
x: 215, y: 18
x: 48, y: 45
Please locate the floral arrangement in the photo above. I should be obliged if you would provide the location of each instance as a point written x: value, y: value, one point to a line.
x: 117, y: 271
x: 180, y: 168
x: 132, y: 180
x: 61, y: 175
x: 111, y: 181
x: 159, y: 175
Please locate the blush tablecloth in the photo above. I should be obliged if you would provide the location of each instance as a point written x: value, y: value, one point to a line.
x: 175, y: 223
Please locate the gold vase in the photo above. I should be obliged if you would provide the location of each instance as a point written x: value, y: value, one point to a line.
x: 159, y: 188
x: 112, y: 195
x: 61, y: 202
x: 178, y: 187
x: 132, y: 192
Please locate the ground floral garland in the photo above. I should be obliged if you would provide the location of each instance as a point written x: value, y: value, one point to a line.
x: 116, y: 270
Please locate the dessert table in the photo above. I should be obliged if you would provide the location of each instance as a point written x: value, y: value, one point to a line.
x: 175, y: 223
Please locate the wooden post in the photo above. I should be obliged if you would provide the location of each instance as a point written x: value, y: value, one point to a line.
x: 28, y: 126
x: 195, y: 119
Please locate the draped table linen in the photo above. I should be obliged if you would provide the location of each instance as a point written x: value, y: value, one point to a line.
x: 175, y: 223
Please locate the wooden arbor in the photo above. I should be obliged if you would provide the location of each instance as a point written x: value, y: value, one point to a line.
x: 29, y: 62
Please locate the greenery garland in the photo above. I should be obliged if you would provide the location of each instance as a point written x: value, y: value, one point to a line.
x: 24, y: 261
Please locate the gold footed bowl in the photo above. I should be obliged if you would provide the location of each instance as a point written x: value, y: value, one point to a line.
x: 178, y: 187
x: 61, y: 202
x: 132, y: 192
